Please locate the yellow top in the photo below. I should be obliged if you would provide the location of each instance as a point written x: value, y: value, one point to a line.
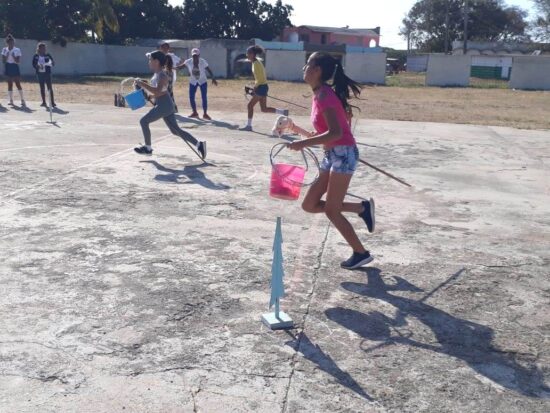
x: 259, y: 73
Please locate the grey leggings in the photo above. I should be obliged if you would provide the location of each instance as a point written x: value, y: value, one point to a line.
x: 164, y: 108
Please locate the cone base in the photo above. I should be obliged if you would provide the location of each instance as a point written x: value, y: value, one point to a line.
x: 282, y: 323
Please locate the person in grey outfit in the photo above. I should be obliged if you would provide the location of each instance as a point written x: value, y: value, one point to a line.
x: 157, y: 90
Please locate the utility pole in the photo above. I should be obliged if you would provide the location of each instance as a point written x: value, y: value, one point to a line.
x: 466, y: 11
x: 447, y: 27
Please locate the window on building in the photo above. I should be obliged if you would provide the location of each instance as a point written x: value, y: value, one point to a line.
x: 323, y: 39
x: 304, y: 38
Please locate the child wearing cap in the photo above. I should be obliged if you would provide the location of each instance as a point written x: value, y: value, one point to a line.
x: 198, y: 78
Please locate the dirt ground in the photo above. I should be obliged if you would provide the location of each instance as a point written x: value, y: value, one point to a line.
x: 137, y: 284
x: 405, y: 98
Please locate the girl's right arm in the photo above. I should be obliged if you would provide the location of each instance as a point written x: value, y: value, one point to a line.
x: 155, y: 91
x: 302, y: 132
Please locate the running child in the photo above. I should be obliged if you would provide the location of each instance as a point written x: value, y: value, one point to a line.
x: 332, y: 130
x: 11, y: 57
x: 43, y: 63
x: 198, y: 78
x: 261, y: 88
x: 164, y: 108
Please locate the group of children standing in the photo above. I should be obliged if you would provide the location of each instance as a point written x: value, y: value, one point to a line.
x: 42, y: 63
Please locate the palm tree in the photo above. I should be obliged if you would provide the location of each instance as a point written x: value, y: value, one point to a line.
x: 104, y: 15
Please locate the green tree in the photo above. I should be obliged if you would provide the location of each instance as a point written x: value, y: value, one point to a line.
x: 489, y: 20
x: 23, y: 19
x: 145, y: 19
x: 65, y: 20
x: 243, y: 19
x: 102, y: 15
x: 542, y: 21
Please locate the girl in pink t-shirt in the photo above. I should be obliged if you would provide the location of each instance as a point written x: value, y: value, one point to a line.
x: 329, y: 115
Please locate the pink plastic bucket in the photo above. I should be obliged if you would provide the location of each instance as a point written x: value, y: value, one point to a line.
x: 286, y: 181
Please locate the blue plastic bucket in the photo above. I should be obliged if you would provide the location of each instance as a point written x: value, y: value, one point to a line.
x: 135, y: 99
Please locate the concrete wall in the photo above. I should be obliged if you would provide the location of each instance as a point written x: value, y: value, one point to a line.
x: 417, y: 63
x: 217, y: 58
x: 83, y: 58
x: 530, y: 72
x: 285, y: 64
x: 366, y: 67
x: 448, y: 70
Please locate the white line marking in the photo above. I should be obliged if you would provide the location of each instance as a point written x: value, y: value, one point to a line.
x: 47, y: 182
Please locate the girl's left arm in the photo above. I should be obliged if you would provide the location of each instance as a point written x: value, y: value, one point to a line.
x: 333, y: 133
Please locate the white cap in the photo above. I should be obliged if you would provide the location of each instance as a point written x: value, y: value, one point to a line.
x: 195, y: 52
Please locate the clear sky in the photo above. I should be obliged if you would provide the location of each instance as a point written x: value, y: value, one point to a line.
x: 360, y: 14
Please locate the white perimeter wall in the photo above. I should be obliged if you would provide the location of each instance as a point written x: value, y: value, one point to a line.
x: 366, y: 67
x: 531, y: 72
x: 83, y: 58
x: 216, y: 57
x: 448, y: 70
x: 285, y: 64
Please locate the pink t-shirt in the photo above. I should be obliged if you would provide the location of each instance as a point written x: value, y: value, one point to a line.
x: 324, y: 99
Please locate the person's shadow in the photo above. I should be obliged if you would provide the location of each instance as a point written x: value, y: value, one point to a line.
x: 314, y: 353
x: 3, y: 109
x: 463, y: 339
x: 25, y: 109
x: 59, y: 111
x: 192, y: 173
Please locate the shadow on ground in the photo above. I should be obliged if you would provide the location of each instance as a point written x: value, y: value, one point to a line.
x: 193, y: 174
x: 463, y: 339
x: 312, y: 352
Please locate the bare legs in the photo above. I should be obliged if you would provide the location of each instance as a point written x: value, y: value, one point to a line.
x: 263, y: 106
x: 335, y: 185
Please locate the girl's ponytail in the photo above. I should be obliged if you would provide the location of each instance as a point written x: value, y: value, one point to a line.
x: 169, y: 64
x: 256, y: 50
x: 343, y: 85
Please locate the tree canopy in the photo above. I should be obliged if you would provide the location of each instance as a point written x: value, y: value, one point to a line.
x: 124, y: 21
x: 542, y: 21
x: 429, y: 21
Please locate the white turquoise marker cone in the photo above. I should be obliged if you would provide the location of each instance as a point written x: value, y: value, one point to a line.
x: 277, y: 319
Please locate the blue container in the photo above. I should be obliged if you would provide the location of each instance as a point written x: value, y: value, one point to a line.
x: 135, y: 99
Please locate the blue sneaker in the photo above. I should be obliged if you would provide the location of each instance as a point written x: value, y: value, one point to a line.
x: 368, y: 214
x: 357, y: 260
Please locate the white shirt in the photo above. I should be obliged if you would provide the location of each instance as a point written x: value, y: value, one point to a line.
x: 156, y: 79
x: 197, y: 74
x: 11, y: 54
x: 176, y: 60
x: 42, y: 63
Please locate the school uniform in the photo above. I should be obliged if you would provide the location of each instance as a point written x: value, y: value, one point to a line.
x: 11, y: 68
x: 43, y: 67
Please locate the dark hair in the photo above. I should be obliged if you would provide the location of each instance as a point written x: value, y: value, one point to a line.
x: 158, y: 55
x: 10, y: 37
x: 256, y: 50
x: 331, y: 68
x: 169, y: 64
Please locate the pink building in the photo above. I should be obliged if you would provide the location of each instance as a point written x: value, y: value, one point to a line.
x: 332, y: 36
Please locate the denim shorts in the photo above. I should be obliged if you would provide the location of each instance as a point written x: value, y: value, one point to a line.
x: 262, y: 90
x: 341, y: 159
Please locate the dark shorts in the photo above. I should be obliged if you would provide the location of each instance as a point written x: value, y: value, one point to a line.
x: 262, y: 90
x: 12, y: 70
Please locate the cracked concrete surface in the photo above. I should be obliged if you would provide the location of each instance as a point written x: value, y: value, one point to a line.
x: 137, y: 284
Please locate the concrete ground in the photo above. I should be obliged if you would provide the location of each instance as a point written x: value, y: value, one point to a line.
x: 137, y: 284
